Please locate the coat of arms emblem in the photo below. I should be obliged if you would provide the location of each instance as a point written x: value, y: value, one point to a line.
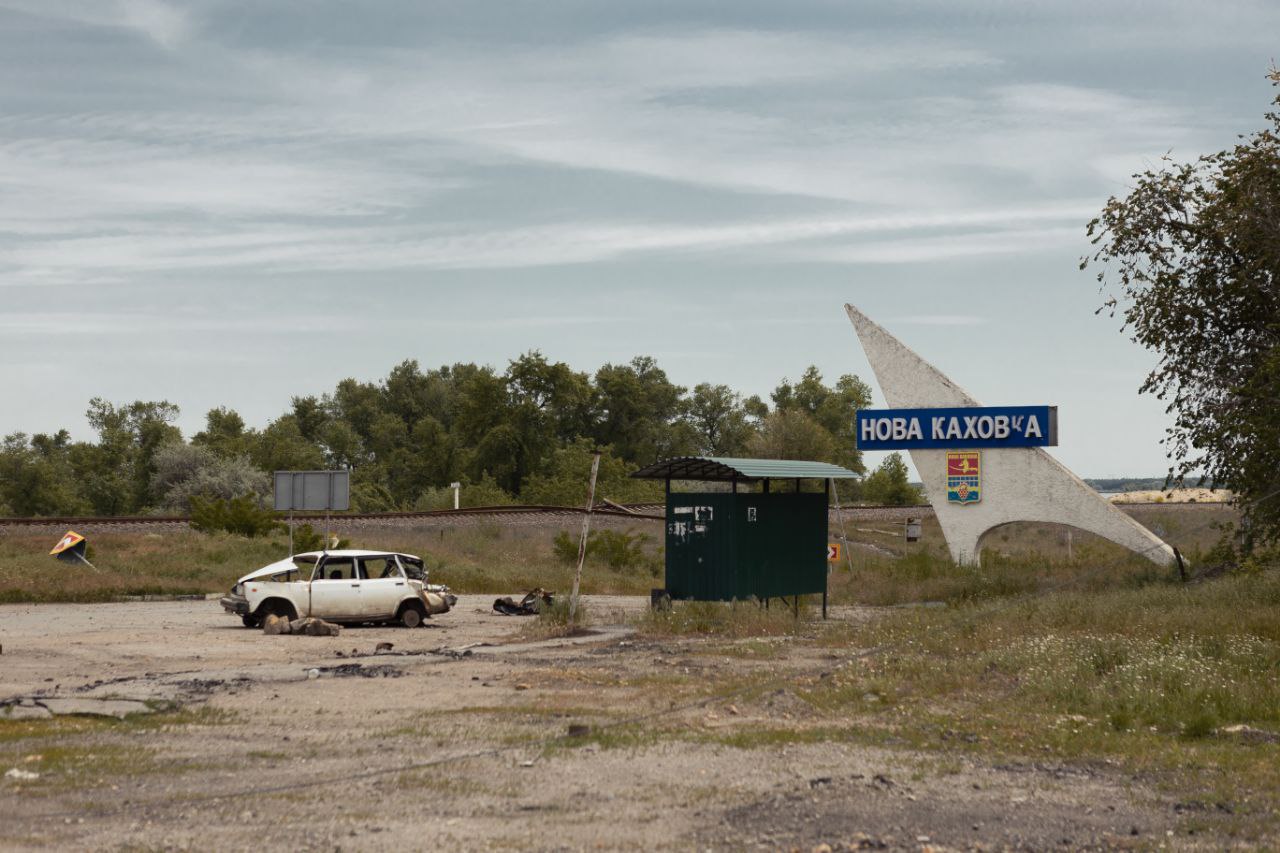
x: 964, y: 476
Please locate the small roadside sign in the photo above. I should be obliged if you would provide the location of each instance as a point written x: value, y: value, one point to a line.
x: 72, y: 548
x: 833, y: 552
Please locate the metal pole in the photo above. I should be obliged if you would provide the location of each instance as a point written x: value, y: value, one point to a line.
x: 835, y: 495
x: 582, y: 543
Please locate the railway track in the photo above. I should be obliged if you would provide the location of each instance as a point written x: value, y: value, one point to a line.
x: 527, y: 513
x: 650, y: 512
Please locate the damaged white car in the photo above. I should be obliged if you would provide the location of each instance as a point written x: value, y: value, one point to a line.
x: 340, y: 586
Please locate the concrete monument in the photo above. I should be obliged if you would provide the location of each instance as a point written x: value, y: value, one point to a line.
x: 973, y: 491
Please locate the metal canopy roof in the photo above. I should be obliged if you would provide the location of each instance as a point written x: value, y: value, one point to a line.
x: 726, y: 469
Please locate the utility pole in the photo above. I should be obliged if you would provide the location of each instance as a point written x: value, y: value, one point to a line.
x: 582, y: 543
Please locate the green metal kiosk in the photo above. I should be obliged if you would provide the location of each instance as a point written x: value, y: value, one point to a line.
x: 763, y: 543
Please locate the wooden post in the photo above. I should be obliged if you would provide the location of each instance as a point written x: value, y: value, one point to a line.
x: 582, y: 543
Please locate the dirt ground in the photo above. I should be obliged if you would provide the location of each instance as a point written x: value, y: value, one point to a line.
x: 459, y: 739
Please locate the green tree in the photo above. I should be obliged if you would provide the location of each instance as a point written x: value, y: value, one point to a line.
x: 889, y: 485
x: 548, y: 404
x: 36, y: 477
x: 224, y: 433
x: 833, y: 408
x: 792, y: 434
x: 719, y: 419
x: 564, y: 482
x: 282, y: 447
x: 639, y: 412
x: 119, y: 469
x: 1191, y: 258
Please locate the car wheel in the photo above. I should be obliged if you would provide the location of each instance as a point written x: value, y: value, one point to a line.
x: 251, y: 621
x: 280, y: 608
x: 411, y: 615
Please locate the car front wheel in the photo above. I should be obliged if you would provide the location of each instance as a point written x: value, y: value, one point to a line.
x: 411, y: 615
x: 251, y: 621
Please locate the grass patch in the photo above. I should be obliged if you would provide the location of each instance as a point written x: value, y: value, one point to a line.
x: 1146, y: 677
x: 737, y: 619
x: 486, y: 558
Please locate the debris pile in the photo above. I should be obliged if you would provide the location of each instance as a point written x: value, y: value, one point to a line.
x: 309, y: 625
x: 531, y: 605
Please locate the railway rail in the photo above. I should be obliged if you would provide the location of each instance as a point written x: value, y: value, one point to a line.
x: 528, y: 512
x: 650, y: 512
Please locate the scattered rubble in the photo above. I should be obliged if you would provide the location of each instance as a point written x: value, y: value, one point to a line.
x: 531, y: 605
x: 349, y: 670
x: 309, y: 625
x: 43, y: 707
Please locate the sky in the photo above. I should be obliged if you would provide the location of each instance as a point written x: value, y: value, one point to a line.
x: 231, y: 203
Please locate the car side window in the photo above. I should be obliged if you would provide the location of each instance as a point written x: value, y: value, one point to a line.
x: 374, y: 568
x: 335, y: 569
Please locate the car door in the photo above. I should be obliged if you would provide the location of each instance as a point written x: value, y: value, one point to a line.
x: 382, y: 586
x: 335, y: 589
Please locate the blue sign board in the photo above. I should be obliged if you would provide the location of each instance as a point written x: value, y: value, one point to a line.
x: 978, y: 426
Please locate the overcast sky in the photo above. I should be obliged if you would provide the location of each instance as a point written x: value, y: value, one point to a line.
x: 228, y: 203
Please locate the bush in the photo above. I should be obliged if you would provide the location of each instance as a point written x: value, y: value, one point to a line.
x: 306, y: 538
x: 484, y: 492
x: 184, y: 472
x: 564, y: 480
x: 242, y: 516
x: 617, y: 549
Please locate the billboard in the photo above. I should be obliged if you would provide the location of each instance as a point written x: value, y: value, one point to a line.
x: 974, y: 426
x: 313, y: 490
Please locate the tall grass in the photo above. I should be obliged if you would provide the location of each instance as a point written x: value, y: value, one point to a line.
x: 930, y: 575
x: 486, y: 558
x: 1178, y: 658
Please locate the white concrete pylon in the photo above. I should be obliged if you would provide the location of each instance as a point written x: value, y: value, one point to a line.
x: 1018, y: 483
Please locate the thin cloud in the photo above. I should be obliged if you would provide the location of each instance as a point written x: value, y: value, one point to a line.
x: 939, y: 320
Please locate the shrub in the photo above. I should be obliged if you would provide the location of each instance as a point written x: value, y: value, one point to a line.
x: 306, y: 538
x: 618, y: 549
x: 483, y: 492
x: 242, y: 516
x: 184, y: 472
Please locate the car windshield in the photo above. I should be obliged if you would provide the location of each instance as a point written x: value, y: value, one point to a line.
x: 413, y: 568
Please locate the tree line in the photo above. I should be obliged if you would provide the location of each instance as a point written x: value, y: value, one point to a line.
x: 524, y: 435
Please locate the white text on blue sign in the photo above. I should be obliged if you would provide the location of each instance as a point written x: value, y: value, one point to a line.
x: 978, y: 426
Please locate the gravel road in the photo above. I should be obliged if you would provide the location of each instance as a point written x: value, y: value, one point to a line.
x: 316, y: 742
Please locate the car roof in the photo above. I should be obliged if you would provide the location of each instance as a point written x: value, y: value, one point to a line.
x: 288, y: 564
x: 351, y: 552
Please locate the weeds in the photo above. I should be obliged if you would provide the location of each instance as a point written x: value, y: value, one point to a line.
x: 723, y: 619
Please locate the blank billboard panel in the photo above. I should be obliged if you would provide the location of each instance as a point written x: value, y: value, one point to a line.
x: 313, y: 490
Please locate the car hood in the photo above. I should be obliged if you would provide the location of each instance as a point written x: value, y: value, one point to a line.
x: 285, y: 565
